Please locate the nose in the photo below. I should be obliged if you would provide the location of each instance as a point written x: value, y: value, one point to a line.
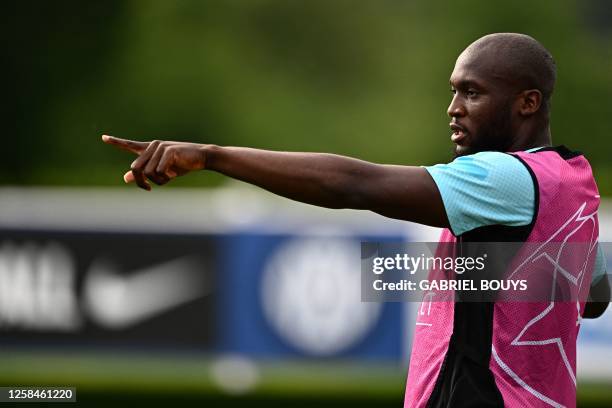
x: 456, y: 108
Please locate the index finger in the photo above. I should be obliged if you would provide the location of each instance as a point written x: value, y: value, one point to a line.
x: 129, y: 145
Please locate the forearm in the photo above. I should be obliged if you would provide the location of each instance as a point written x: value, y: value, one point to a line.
x: 327, y: 180
x: 321, y: 179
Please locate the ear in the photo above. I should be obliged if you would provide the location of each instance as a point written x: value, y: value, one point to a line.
x: 530, y: 102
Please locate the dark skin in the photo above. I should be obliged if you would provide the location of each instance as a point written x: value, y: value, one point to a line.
x: 325, y: 180
x: 489, y: 111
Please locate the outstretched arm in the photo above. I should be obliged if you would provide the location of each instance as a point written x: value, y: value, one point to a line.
x: 326, y: 180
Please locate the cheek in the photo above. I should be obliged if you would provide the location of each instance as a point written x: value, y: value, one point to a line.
x: 482, y: 113
x: 481, y: 107
x: 477, y: 117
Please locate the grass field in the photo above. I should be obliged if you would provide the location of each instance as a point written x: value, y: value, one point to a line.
x: 124, y: 379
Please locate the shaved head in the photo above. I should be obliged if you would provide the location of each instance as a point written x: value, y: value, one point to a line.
x: 517, y: 59
x: 501, y: 84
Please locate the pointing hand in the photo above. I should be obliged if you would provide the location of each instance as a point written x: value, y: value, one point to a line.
x: 159, y: 161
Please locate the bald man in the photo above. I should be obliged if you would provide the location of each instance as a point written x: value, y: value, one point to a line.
x: 507, y: 183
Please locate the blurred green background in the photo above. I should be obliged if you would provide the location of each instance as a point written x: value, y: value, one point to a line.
x: 363, y: 78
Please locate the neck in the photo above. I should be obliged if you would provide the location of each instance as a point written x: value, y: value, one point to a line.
x: 529, y: 140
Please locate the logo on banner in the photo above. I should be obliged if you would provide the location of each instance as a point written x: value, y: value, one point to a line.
x: 311, y: 295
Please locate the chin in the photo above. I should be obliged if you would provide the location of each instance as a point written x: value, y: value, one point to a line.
x: 462, y: 151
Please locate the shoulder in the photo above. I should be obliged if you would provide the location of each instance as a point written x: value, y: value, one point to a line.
x: 485, y: 188
x: 489, y: 166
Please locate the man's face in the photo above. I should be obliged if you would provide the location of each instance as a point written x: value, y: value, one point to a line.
x: 481, y: 108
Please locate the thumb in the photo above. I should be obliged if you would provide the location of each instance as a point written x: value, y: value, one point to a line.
x: 129, y: 177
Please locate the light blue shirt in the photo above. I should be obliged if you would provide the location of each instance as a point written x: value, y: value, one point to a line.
x: 490, y: 188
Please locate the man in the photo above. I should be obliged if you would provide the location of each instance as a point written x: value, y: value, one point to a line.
x: 506, y: 184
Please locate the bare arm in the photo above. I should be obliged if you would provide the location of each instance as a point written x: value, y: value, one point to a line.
x: 326, y: 180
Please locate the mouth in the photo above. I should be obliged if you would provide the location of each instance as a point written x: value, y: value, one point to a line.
x: 459, y: 133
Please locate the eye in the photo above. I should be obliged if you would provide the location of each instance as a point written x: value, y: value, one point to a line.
x: 471, y: 93
x: 453, y: 91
